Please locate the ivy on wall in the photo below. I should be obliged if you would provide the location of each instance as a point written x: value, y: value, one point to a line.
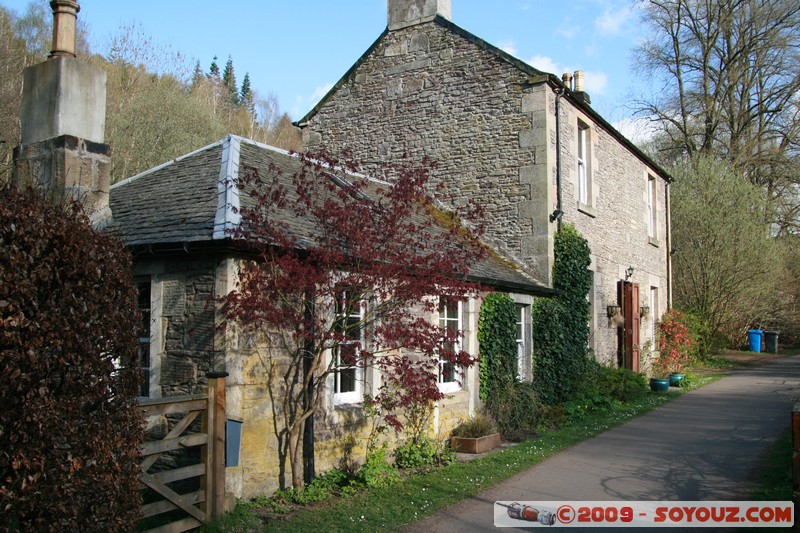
x: 497, y: 336
x: 560, y: 324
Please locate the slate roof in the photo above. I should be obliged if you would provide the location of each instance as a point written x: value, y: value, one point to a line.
x: 194, y: 200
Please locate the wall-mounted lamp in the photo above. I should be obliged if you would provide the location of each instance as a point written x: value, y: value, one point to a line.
x: 555, y: 215
x: 628, y: 273
x: 644, y: 310
x: 612, y: 310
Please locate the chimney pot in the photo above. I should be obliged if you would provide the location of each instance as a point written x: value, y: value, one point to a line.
x: 578, y: 81
x: 65, y: 20
x: 567, y: 79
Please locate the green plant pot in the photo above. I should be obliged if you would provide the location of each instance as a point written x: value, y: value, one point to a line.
x: 659, y: 384
x: 675, y: 379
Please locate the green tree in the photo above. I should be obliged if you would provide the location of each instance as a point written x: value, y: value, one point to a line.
x: 229, y: 82
x: 727, y: 264
x: 246, y: 96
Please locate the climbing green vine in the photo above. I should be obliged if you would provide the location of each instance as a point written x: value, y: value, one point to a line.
x: 560, y: 330
x: 497, y: 336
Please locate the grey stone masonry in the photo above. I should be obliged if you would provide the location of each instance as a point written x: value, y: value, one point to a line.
x: 427, y: 91
x: 489, y: 121
x: 67, y: 168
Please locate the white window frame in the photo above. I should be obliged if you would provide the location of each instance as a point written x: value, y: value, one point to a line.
x: 444, y: 321
x: 522, y: 332
x: 584, y: 167
x: 356, y: 395
x: 652, y: 211
x: 144, y: 334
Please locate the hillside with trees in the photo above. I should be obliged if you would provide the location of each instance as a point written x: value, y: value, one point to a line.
x: 160, y: 104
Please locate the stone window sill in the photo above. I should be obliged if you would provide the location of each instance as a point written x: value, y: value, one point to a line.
x: 587, y: 210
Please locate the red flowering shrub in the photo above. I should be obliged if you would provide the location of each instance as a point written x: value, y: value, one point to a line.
x: 674, y: 342
x: 69, y: 423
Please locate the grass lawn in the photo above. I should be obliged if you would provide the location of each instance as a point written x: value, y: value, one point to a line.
x: 416, y: 496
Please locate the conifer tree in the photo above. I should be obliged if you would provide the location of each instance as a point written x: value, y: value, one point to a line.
x: 229, y: 81
x: 213, y: 70
x: 246, y: 98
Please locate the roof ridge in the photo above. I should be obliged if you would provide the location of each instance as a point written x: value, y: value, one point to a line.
x: 166, y: 164
x: 228, y: 216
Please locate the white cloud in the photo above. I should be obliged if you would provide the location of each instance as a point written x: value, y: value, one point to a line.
x: 546, y: 64
x: 303, y: 104
x: 508, y: 47
x: 595, y: 82
x: 611, y: 22
x: 568, y: 30
x: 321, y: 91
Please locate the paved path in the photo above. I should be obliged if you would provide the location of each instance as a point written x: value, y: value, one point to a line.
x: 705, y: 445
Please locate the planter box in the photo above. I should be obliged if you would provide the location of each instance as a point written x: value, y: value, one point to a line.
x: 475, y: 445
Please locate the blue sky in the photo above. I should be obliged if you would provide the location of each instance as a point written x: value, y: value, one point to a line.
x: 298, y: 49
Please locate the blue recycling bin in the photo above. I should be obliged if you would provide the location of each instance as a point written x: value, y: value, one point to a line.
x: 754, y: 338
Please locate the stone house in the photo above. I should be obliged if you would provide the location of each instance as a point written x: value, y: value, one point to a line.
x: 525, y: 144
x: 174, y: 218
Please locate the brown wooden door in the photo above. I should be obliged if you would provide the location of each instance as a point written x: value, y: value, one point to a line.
x: 630, y: 311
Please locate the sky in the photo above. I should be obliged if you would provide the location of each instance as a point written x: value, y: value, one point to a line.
x: 297, y: 49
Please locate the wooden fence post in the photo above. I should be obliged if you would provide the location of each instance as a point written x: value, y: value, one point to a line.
x: 215, y: 451
x: 796, y: 462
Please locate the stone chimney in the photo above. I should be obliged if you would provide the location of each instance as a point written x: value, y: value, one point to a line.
x: 403, y: 13
x: 62, y: 150
x: 577, y: 88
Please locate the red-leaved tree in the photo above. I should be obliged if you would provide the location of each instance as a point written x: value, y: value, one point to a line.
x: 349, y: 274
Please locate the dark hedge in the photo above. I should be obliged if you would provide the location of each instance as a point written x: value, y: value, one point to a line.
x: 69, y: 424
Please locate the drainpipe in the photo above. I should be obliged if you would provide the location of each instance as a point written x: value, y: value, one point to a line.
x: 668, y: 209
x: 559, y: 94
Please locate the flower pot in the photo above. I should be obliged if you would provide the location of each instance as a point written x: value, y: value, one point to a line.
x: 659, y: 384
x: 675, y: 379
x: 475, y: 445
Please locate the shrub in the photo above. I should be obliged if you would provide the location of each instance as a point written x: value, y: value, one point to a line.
x: 416, y: 452
x: 621, y: 384
x: 69, y: 427
x: 516, y: 410
x: 377, y: 472
x: 478, y: 426
x: 674, y: 343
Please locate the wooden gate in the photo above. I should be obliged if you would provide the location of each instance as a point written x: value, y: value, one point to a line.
x: 199, y: 506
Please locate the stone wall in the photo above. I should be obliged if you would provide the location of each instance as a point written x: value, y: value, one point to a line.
x: 430, y: 90
x: 182, y: 348
x: 427, y: 91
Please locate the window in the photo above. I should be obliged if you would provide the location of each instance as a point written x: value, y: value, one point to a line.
x: 450, y: 320
x: 651, y: 208
x: 143, y: 333
x: 521, y: 335
x: 584, y: 172
x: 347, y: 372
x: 653, y: 313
